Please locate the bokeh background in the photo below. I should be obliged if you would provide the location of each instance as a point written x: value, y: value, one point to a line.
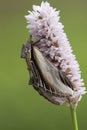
x: 21, y: 107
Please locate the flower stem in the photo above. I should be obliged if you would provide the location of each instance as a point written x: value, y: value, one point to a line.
x: 74, y: 118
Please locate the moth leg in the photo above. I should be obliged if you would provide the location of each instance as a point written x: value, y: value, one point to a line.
x: 31, y: 80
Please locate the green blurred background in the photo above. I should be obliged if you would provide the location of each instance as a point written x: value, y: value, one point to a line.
x: 21, y: 107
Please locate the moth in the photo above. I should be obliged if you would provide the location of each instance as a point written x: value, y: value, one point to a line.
x: 48, y: 80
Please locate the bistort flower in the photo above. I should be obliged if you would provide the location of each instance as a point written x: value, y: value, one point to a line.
x: 44, y: 21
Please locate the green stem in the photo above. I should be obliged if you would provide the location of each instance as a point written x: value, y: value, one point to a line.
x: 74, y: 118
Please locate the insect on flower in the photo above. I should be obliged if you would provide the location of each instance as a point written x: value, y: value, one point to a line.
x: 53, y: 69
x: 48, y: 80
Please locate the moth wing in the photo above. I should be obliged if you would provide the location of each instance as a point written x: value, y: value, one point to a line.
x: 51, y: 74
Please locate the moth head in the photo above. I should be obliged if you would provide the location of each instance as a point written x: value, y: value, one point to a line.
x: 26, y: 48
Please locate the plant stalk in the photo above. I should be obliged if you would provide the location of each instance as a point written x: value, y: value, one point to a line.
x: 74, y: 118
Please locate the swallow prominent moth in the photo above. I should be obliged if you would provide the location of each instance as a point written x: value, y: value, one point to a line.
x: 48, y: 80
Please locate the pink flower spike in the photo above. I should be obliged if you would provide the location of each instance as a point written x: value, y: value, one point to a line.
x: 44, y: 21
